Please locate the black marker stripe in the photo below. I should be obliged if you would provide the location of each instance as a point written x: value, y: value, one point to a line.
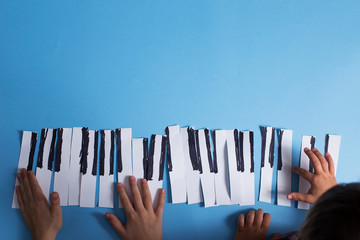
x: 198, y: 156
x: 102, y: 152
x: 112, y: 136
x: 263, y: 145
x: 312, y: 146
x: 213, y: 168
x: 58, y: 149
x: 118, y: 151
x: 145, y: 156
x: 272, y: 148
x: 192, y: 148
x: 239, y: 157
x: 44, y: 132
x: 96, y: 146
x: 280, y: 163
x: 168, y: 152
x: 52, y: 150
x: 251, y: 136
x: 327, y: 137
x: 162, y: 157
x: 84, y: 150
x: 32, y: 150
x: 150, y: 164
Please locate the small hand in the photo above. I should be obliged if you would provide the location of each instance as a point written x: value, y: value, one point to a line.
x: 143, y: 222
x: 43, y: 220
x: 321, y: 180
x: 255, y: 226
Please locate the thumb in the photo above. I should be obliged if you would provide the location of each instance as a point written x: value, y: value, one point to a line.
x: 299, y: 197
x: 55, y: 208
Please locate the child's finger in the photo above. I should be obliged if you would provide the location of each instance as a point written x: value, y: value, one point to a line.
x: 22, y: 188
x: 146, y: 195
x: 117, y: 225
x: 124, y: 199
x: 160, y: 205
x: 241, y: 221
x: 298, y: 197
x: 19, y: 198
x: 303, y: 173
x: 259, y: 215
x: 138, y: 203
x: 250, y: 218
x: 35, y: 187
x: 331, y: 163
x: 266, y: 222
x: 322, y: 160
x: 314, y: 160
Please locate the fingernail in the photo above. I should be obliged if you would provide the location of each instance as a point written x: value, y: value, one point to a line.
x: 314, y: 149
x: 107, y: 215
x: 132, y: 178
x: 162, y: 191
x: 290, y: 197
x: 143, y: 181
x: 120, y: 185
x: 306, y: 149
x: 19, y: 176
x: 23, y: 171
x: 29, y: 172
x: 55, y: 195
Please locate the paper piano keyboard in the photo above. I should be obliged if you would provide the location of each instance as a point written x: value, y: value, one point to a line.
x: 215, y: 167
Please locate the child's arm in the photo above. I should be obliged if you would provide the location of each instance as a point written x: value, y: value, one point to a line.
x: 321, y: 180
x: 43, y: 220
x: 143, y: 222
x: 255, y: 226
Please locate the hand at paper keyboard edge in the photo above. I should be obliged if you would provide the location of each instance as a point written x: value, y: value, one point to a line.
x: 143, y: 222
x: 43, y: 220
x: 321, y: 180
x: 254, y: 227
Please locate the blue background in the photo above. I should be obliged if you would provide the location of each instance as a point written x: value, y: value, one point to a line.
x: 149, y: 64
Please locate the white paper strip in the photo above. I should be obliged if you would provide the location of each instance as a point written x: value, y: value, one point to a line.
x: 88, y: 179
x: 284, y: 167
x: 192, y: 177
x: 26, y: 146
x: 247, y: 176
x: 138, y: 160
x: 332, y: 145
x: 222, y: 188
x: 234, y: 169
x: 43, y: 174
x: 61, y: 178
x: 267, y: 160
x: 157, y: 146
x: 125, y: 152
x: 106, y: 181
x: 74, y: 178
x: 207, y: 176
x: 304, y: 185
x: 176, y: 164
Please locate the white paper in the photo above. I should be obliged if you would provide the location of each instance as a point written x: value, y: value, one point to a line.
x: 222, y: 188
x: 333, y: 147
x: 266, y: 170
x: 206, y: 177
x: 304, y: 185
x: 123, y: 176
x: 177, y: 174
x: 74, y: 178
x: 234, y: 174
x: 88, y: 181
x: 138, y: 158
x: 61, y: 178
x: 155, y: 184
x: 192, y: 177
x: 247, y: 178
x: 106, y: 182
x: 23, y: 161
x: 284, y: 175
x: 43, y: 174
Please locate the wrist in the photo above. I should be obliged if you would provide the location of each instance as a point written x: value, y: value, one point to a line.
x: 44, y: 236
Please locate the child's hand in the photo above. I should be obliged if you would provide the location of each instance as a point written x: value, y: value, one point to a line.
x: 43, y: 220
x: 321, y: 180
x: 143, y: 222
x: 255, y: 226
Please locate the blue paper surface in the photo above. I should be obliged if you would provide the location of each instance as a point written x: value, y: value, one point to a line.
x: 150, y: 64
